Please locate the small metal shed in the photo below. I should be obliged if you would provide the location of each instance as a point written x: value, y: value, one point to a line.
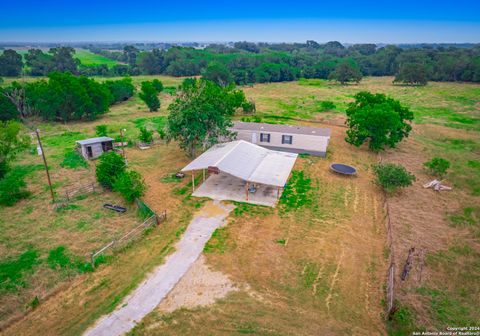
x: 94, y: 147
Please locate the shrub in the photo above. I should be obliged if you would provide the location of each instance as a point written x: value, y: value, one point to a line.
x: 249, y: 107
x: 12, y: 142
x: 326, y: 105
x: 392, y: 176
x: 149, y: 96
x: 157, y: 85
x: 162, y: 133
x: 145, y: 135
x: 101, y: 130
x: 437, y: 166
x: 12, y: 188
x: 130, y: 184
x: 120, y: 90
x: 111, y: 166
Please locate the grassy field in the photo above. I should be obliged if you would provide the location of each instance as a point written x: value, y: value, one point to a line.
x: 314, y: 265
x: 88, y: 58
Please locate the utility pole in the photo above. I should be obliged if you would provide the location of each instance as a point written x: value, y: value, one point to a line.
x: 45, y: 163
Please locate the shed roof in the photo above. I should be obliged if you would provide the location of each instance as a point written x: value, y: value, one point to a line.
x: 93, y: 140
x: 248, y: 162
x: 286, y: 129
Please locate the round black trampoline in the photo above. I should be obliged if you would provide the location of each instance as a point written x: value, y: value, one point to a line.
x: 344, y: 169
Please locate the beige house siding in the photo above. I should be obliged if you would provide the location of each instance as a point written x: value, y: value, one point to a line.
x: 301, y: 143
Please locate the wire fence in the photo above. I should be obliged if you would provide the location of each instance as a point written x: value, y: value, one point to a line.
x: 151, y: 219
x: 72, y: 194
x: 390, y: 289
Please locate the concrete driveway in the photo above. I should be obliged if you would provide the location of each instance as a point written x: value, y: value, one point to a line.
x: 162, y: 280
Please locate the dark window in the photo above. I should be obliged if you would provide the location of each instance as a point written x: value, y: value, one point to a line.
x: 264, y: 137
x: 287, y: 139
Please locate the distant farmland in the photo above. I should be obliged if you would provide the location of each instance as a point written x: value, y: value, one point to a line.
x: 88, y: 58
x: 85, y: 57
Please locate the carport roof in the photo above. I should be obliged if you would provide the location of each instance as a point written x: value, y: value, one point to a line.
x: 248, y: 162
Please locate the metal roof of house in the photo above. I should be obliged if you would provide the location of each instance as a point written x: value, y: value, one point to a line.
x: 93, y: 140
x: 285, y: 129
x: 248, y: 162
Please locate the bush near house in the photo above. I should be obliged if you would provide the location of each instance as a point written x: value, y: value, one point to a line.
x: 437, y: 166
x: 130, y: 184
x: 111, y: 166
x: 145, y: 135
x: 392, y: 176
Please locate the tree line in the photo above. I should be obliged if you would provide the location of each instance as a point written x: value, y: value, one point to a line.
x: 248, y: 62
x: 62, y: 97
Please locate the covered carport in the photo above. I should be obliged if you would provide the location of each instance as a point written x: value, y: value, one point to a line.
x: 241, y: 171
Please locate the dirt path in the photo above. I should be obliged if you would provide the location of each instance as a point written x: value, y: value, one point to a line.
x: 161, y: 281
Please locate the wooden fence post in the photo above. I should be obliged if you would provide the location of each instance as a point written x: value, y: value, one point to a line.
x: 92, y: 259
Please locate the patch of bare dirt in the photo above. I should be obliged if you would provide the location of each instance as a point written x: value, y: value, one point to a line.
x: 200, y: 286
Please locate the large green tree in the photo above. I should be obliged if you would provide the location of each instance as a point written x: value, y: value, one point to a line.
x: 39, y: 63
x: 120, y: 90
x: 218, y: 73
x: 10, y: 63
x: 346, y: 72
x: 201, y: 114
x: 412, y: 74
x: 377, y: 119
x: 63, y: 59
x: 8, y: 111
x: 12, y: 142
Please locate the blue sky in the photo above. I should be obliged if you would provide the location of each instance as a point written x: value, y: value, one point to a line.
x: 346, y: 21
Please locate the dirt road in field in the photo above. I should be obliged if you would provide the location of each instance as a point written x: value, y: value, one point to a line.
x: 162, y: 280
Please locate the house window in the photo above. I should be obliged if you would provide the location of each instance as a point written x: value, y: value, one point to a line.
x: 287, y: 139
x: 264, y: 137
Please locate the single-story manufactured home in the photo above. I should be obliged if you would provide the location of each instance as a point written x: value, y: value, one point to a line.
x: 294, y: 139
x: 94, y: 147
x: 242, y: 171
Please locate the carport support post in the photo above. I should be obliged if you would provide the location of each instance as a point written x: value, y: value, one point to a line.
x: 278, y: 193
x: 193, y: 180
x: 203, y: 175
x: 246, y: 190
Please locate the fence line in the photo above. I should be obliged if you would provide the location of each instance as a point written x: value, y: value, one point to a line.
x: 69, y: 194
x: 390, y: 290
x: 153, y: 143
x: 391, y: 268
x: 152, y: 220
